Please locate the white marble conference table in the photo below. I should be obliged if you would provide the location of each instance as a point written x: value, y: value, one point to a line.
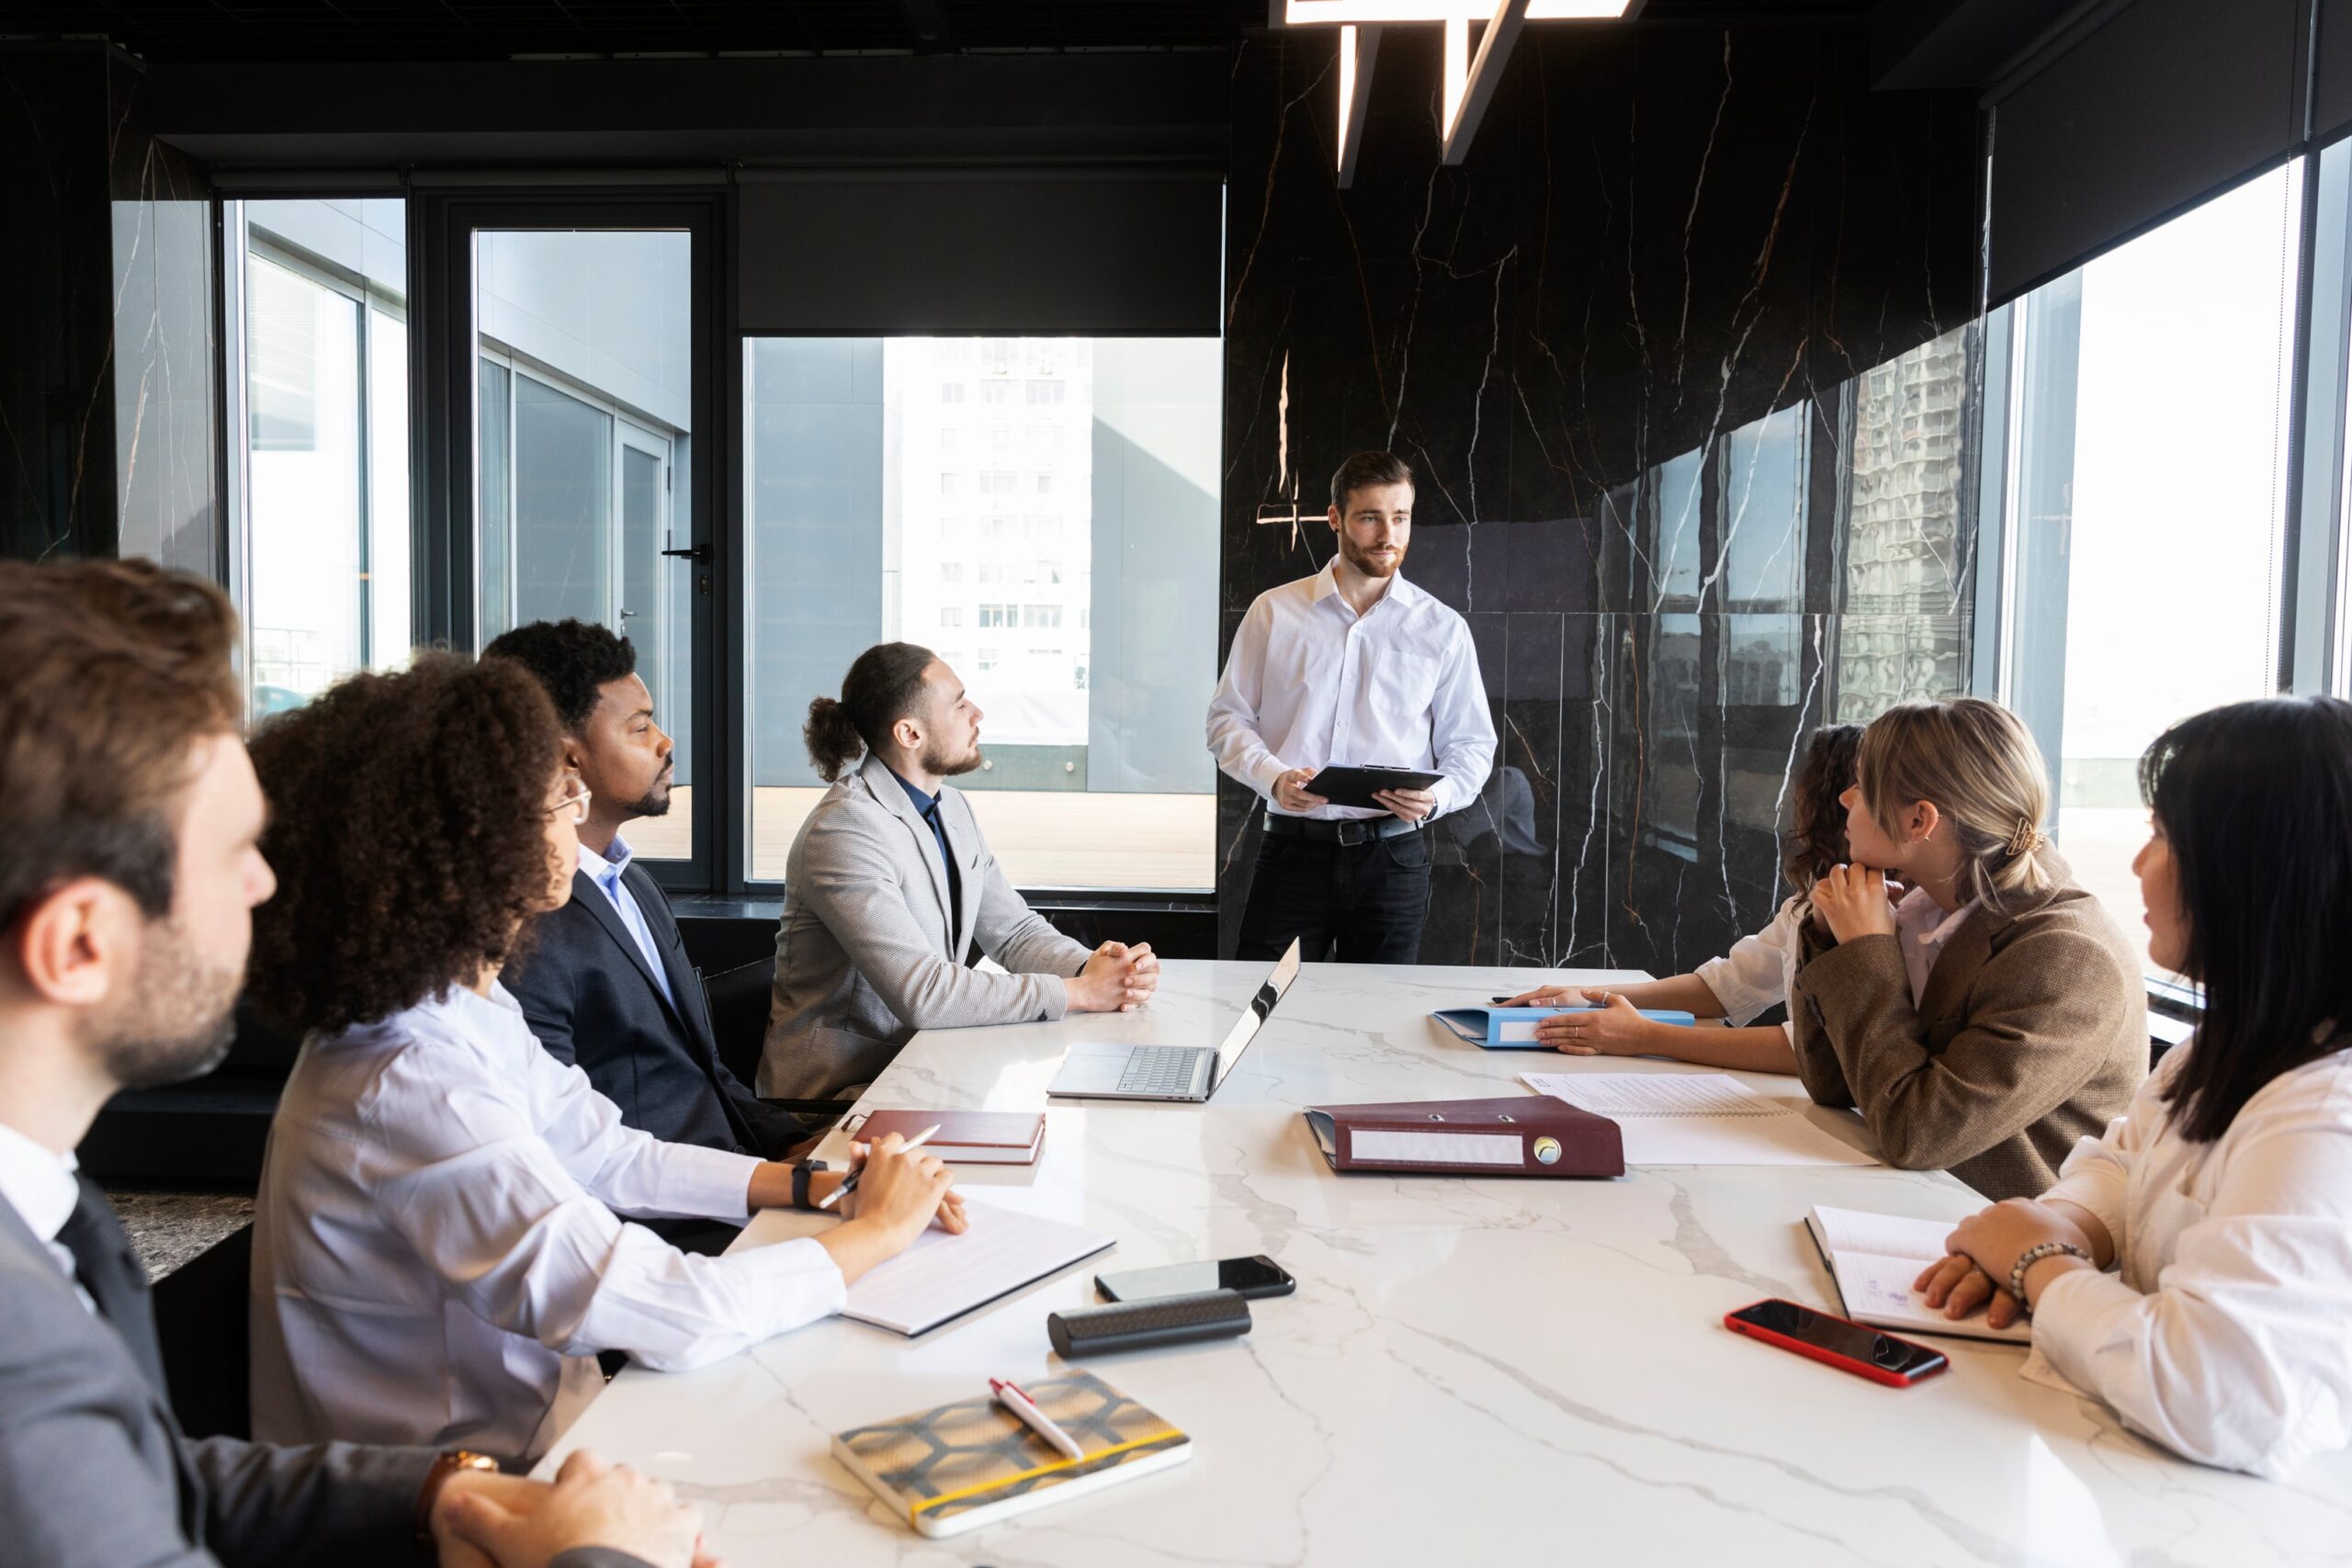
x: 1471, y: 1370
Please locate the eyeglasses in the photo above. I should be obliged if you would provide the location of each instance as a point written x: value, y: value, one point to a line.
x: 575, y: 803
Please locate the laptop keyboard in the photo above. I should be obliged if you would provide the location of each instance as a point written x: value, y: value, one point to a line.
x: 1158, y: 1070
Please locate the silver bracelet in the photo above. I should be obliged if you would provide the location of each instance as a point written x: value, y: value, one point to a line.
x: 2033, y: 1254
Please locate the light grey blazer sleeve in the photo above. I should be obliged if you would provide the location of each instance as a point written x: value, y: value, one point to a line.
x: 854, y: 874
x: 1001, y: 922
x: 869, y: 951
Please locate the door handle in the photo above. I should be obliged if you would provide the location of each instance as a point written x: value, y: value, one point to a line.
x: 698, y: 554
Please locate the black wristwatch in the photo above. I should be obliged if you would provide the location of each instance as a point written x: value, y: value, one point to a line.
x: 801, y: 1171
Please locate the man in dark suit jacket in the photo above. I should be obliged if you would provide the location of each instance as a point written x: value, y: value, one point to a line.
x: 607, y: 985
x: 125, y: 918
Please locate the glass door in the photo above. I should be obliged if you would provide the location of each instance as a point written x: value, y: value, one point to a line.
x: 585, y: 406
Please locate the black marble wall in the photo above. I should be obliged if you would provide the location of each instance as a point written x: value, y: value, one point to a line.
x: 106, y: 352
x: 1680, y: 358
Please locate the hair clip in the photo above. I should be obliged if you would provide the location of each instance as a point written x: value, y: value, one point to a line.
x: 2027, y: 837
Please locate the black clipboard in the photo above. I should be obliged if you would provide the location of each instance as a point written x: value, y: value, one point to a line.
x: 1353, y: 787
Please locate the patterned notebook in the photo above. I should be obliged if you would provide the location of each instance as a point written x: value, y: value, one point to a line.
x: 972, y: 1463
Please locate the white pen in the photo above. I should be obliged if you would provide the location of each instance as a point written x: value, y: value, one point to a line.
x: 835, y: 1196
x: 1009, y: 1394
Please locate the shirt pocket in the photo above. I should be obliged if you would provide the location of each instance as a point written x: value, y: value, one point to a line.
x: 1403, y: 682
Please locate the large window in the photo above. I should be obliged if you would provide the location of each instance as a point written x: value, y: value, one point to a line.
x: 2144, y: 498
x: 323, y: 464
x: 1087, y: 633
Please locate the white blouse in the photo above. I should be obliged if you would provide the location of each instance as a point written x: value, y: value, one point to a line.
x: 1759, y: 970
x: 2226, y: 1333
x: 436, y: 1258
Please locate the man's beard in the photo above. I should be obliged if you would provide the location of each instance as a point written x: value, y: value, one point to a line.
x: 937, y: 763
x: 1364, y: 563
x: 177, y: 1017
x: 655, y: 801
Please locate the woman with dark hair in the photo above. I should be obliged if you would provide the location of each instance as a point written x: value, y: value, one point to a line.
x: 2222, y: 1201
x: 436, y: 1255
x: 1753, y: 976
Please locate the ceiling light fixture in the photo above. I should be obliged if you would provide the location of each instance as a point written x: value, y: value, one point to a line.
x: 1469, y: 80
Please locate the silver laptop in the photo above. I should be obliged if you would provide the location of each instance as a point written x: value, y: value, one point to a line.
x: 1099, y: 1070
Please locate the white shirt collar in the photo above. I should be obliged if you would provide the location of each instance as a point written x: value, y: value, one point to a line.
x: 37, y: 1182
x: 607, y: 869
x: 1918, y: 907
x: 1327, y: 584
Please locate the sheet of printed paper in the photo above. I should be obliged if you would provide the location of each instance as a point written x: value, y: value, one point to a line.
x: 1698, y: 1119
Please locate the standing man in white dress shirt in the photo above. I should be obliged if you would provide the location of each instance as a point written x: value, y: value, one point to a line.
x: 1353, y: 666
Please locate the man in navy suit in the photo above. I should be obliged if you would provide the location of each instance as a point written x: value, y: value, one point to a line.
x: 607, y: 985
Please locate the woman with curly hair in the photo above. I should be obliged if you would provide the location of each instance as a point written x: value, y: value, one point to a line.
x: 436, y: 1255
x: 1742, y: 984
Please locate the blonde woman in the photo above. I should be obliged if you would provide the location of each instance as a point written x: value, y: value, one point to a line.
x: 1994, y: 1015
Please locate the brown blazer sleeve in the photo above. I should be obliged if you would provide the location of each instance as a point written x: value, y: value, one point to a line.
x: 2038, y: 1021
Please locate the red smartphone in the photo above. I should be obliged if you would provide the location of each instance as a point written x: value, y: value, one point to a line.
x: 1849, y: 1347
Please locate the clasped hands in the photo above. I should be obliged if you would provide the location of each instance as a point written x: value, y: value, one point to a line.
x: 483, y: 1520
x: 1984, y: 1248
x: 1118, y: 978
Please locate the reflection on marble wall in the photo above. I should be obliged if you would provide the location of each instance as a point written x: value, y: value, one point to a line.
x: 106, y: 392
x: 166, y: 446
x: 1680, y: 358
x: 56, y: 320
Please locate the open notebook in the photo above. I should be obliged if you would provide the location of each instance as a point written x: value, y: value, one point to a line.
x: 1875, y: 1257
x: 1698, y: 1119
x: 943, y: 1277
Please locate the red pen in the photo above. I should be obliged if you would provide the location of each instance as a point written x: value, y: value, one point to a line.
x: 1025, y: 1409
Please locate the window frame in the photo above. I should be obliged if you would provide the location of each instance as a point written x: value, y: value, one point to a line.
x: 239, y: 245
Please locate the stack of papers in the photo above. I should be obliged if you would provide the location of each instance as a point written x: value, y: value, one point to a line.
x: 1697, y: 1118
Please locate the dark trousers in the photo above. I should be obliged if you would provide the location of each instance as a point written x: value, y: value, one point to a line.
x: 1366, y: 900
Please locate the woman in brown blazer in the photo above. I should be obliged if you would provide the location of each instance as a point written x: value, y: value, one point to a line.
x: 1985, y: 1013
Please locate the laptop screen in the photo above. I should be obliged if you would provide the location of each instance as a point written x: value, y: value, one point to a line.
x: 1253, y: 1017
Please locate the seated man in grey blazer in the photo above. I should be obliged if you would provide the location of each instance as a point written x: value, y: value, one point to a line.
x: 125, y: 917
x: 891, y: 894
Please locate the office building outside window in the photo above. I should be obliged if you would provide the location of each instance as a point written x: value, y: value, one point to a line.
x: 1093, y: 778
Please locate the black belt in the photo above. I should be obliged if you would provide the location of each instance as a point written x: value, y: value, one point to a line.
x: 1323, y: 830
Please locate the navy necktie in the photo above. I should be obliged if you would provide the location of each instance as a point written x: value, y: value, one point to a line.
x: 113, y: 1275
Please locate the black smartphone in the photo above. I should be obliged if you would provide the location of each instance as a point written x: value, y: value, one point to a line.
x: 1251, y: 1277
x: 1849, y: 1347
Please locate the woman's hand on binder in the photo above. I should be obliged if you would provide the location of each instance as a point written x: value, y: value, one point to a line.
x: 1614, y: 1028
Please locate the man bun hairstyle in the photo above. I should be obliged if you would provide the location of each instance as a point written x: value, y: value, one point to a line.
x: 572, y: 659
x: 1365, y: 470
x: 1978, y: 764
x: 110, y: 673
x: 882, y: 687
